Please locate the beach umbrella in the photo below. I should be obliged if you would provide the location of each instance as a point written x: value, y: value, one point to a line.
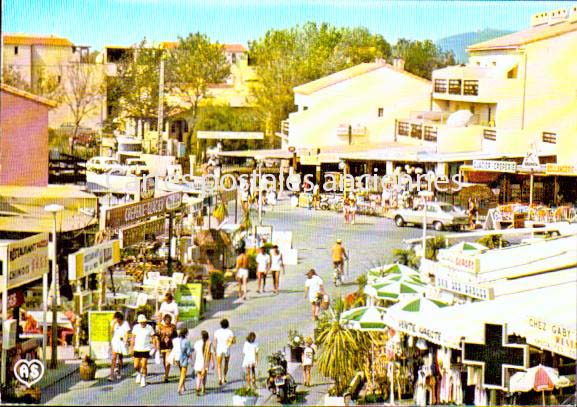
x: 391, y: 270
x: 392, y: 290
x: 421, y: 304
x: 539, y: 378
x: 364, y: 318
x: 467, y: 247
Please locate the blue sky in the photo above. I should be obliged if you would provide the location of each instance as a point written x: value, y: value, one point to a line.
x: 124, y: 22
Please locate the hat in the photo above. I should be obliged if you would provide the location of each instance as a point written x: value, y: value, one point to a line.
x: 339, y: 240
x: 141, y: 318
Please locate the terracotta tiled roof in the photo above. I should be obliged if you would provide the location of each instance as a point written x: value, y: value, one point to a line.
x: 344, y: 75
x: 169, y: 44
x: 27, y: 95
x: 532, y: 34
x: 28, y: 39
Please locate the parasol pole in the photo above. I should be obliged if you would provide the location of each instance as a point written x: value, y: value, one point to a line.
x: 543, y: 397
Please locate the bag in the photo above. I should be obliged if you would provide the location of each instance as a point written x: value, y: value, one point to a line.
x: 325, y: 302
x: 157, y: 357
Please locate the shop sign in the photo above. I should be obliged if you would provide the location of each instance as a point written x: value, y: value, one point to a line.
x: 124, y: 215
x: 26, y: 261
x: 557, y: 338
x: 499, y: 166
x: 189, y: 300
x: 557, y: 169
x: 310, y: 160
x: 531, y: 162
x: 420, y: 331
x: 464, y: 288
x: 139, y: 233
x: 93, y: 259
x: 147, y: 187
x: 99, y: 334
x: 459, y: 261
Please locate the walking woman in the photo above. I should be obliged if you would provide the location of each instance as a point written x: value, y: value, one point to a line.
x: 276, y: 265
x: 141, y: 348
x: 184, y: 358
x: 120, y: 330
x: 203, y: 357
x: 250, y: 360
x: 166, y: 332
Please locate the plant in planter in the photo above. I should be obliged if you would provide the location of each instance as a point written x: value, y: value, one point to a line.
x: 87, y: 368
x: 296, y: 344
x: 217, y: 285
x: 245, y: 396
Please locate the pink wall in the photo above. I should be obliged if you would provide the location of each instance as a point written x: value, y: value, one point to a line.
x: 23, y: 141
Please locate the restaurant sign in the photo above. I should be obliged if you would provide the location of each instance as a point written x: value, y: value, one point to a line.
x: 142, y: 232
x: 557, y: 169
x: 465, y: 288
x: 414, y: 329
x: 24, y: 261
x: 498, y: 166
x: 93, y: 259
x: 557, y: 338
x: 459, y: 261
x: 123, y: 215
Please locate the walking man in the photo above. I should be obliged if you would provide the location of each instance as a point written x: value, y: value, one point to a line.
x: 141, y: 348
x: 242, y: 273
x: 314, y: 289
x: 223, y: 339
x: 262, y: 268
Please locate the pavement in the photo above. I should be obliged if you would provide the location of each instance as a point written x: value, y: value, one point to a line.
x: 270, y: 316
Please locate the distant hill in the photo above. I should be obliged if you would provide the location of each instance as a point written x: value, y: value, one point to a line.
x: 459, y: 43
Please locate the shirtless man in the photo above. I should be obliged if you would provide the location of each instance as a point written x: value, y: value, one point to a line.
x: 242, y: 273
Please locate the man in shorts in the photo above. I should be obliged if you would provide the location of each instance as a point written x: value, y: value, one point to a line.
x: 224, y: 338
x: 141, y: 347
x: 262, y: 268
x: 314, y: 290
x: 339, y: 255
x: 242, y: 273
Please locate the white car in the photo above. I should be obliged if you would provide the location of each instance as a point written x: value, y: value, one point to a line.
x: 137, y: 166
x: 440, y: 216
x: 101, y: 165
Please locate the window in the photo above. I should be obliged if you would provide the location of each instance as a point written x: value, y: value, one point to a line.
x: 73, y: 49
x: 381, y: 112
x: 15, y: 50
x: 512, y: 74
x: 59, y: 78
x: 305, y: 108
x: 233, y: 58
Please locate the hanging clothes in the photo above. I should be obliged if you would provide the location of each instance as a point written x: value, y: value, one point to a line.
x: 420, y: 394
x: 480, y: 396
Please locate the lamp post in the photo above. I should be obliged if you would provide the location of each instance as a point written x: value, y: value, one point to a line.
x: 425, y: 195
x: 259, y: 161
x: 54, y: 209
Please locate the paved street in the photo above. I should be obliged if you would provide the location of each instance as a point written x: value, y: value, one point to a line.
x: 369, y: 241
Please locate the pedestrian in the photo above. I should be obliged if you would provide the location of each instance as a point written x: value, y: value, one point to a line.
x: 203, y: 358
x: 250, y: 352
x: 353, y: 207
x: 346, y: 209
x: 262, y: 268
x: 184, y: 355
x: 315, y: 290
x: 165, y: 333
x: 223, y: 339
x: 472, y: 209
x: 316, y: 197
x: 120, y: 331
x: 271, y: 198
x: 242, y: 273
x: 141, y: 347
x: 168, y: 306
x: 276, y: 265
x: 338, y: 256
x: 308, y: 360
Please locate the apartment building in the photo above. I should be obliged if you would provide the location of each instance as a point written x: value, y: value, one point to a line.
x: 356, y: 106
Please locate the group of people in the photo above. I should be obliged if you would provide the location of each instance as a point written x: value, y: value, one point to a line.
x: 173, y: 347
x: 266, y: 264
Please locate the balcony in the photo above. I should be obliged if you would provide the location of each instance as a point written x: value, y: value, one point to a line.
x: 284, y: 127
x: 344, y: 130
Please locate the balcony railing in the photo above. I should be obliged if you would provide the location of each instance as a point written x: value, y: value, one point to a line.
x: 465, y: 87
x: 549, y: 137
x: 490, y: 134
x: 403, y: 128
x: 440, y: 85
x: 284, y: 127
x: 471, y: 87
x: 417, y: 131
x: 455, y: 86
x: 430, y: 133
x: 346, y: 129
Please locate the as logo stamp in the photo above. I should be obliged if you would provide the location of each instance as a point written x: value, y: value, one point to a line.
x: 28, y: 372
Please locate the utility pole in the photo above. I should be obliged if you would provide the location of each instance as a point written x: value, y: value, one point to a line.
x: 170, y: 233
x: 160, y: 125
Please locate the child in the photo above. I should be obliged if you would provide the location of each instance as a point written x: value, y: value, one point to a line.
x: 183, y: 351
x: 307, y: 360
x: 250, y: 360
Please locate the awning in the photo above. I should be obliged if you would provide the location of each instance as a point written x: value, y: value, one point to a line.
x: 276, y: 153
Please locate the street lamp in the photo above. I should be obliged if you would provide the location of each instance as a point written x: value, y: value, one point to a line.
x: 259, y: 161
x: 425, y: 195
x: 54, y: 209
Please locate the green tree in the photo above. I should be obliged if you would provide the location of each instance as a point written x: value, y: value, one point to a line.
x: 286, y: 58
x: 12, y: 77
x: 194, y: 65
x: 422, y: 57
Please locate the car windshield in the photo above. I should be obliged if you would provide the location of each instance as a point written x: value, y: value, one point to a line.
x: 448, y: 208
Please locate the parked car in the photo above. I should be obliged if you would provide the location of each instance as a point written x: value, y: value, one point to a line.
x: 440, y: 216
x: 137, y: 166
x: 103, y: 164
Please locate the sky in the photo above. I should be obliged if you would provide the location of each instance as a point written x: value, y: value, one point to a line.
x: 125, y: 22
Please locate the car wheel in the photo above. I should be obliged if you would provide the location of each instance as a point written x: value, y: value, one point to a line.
x: 399, y: 221
x: 438, y: 226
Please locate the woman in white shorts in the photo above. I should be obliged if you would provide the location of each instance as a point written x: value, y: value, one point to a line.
x: 250, y: 359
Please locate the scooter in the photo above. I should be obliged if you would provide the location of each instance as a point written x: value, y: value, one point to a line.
x: 279, y: 381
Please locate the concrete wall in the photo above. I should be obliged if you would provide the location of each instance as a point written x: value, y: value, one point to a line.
x: 24, y: 141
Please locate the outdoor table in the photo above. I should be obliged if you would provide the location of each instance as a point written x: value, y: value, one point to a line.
x: 61, y: 319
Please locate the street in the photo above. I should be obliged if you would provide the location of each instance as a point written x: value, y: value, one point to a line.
x: 369, y: 242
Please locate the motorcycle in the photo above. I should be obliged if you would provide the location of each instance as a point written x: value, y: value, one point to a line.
x: 331, y: 202
x: 279, y: 381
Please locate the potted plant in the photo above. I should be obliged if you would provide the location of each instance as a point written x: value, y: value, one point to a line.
x: 87, y: 368
x: 245, y: 396
x: 217, y: 285
x: 296, y: 345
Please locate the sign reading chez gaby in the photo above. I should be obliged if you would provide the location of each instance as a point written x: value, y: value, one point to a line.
x: 141, y: 232
x: 124, y: 215
x: 24, y: 261
x: 93, y: 259
x: 554, y: 337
